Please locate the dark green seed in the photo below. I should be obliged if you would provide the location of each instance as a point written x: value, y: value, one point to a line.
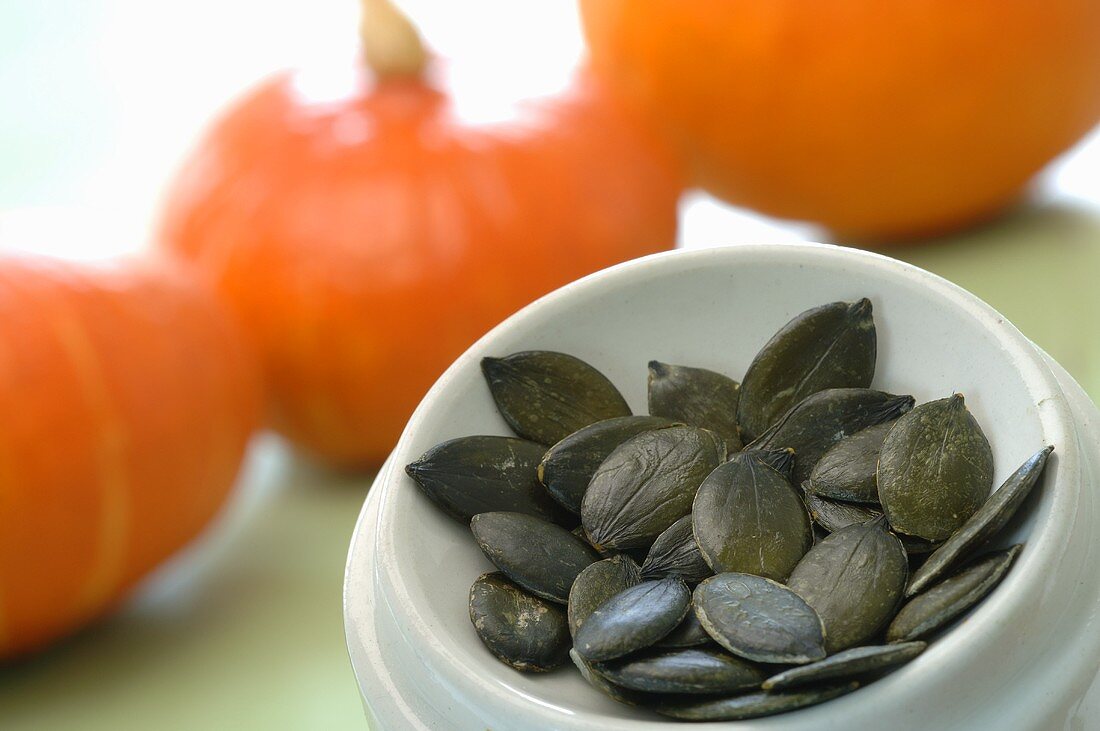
x: 847, y: 470
x: 483, y: 474
x: 928, y: 612
x: 598, y: 583
x: 748, y: 518
x: 697, y: 397
x: 520, y: 629
x: 675, y: 553
x: 854, y: 579
x: 780, y: 460
x: 751, y: 705
x: 541, y: 557
x: 832, y: 516
x: 693, y: 671
x: 935, y: 470
x: 647, y: 484
x: 689, y: 633
x: 983, y: 525
x: 597, y: 681
x: 822, y: 420
x: 846, y: 665
x: 832, y: 346
x: 568, y: 466
x: 546, y: 396
x: 759, y: 619
x: 633, y: 619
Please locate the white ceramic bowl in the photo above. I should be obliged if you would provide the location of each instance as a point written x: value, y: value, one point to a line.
x: 1022, y: 660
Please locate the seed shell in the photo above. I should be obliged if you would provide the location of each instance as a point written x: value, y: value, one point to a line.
x: 696, y: 396
x: 935, y: 470
x: 693, y: 671
x: 675, y: 553
x: 780, y: 460
x: 847, y: 665
x: 597, y: 681
x: 847, y: 469
x: 751, y: 705
x: 689, y: 633
x: 598, y: 583
x: 759, y: 619
x: 541, y: 557
x: 854, y: 579
x: 833, y: 516
x: 928, y: 612
x: 633, y: 619
x: 567, y: 467
x: 831, y: 346
x: 983, y: 525
x: 546, y: 396
x: 646, y: 484
x: 520, y: 629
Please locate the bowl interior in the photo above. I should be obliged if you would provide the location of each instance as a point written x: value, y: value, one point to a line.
x: 712, y: 308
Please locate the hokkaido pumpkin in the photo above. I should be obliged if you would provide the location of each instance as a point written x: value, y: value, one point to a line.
x: 127, y: 400
x: 366, y: 238
x: 880, y: 120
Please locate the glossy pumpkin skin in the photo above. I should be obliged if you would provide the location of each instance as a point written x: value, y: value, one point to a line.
x: 366, y: 241
x: 879, y: 120
x: 128, y: 400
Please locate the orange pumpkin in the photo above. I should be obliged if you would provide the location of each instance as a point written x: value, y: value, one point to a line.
x: 877, y: 119
x: 367, y: 238
x: 127, y: 399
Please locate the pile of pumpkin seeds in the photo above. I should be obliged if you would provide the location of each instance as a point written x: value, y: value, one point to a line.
x: 746, y: 549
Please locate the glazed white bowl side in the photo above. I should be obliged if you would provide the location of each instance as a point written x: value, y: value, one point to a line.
x: 715, y: 308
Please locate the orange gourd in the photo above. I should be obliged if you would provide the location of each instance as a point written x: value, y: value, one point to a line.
x: 878, y: 119
x: 367, y: 238
x: 127, y: 400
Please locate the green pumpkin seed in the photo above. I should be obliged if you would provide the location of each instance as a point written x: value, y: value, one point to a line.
x: 692, y: 671
x: 689, y: 633
x: 823, y: 419
x: 697, y: 397
x: 633, y: 619
x: 983, y: 525
x: 832, y: 346
x: 597, y: 681
x: 646, y: 484
x: 780, y: 460
x: 759, y: 619
x: 568, y: 466
x: 846, y: 665
x: 598, y: 583
x: 854, y: 579
x: 747, y: 518
x: 521, y: 630
x: 751, y: 705
x: 541, y: 557
x: 847, y: 470
x: 675, y: 553
x: 546, y: 396
x: 833, y: 516
x: 483, y: 474
x: 935, y: 469
x: 928, y: 612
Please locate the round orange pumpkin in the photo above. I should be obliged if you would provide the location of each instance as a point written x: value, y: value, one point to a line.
x: 128, y: 400
x: 367, y: 238
x: 878, y: 119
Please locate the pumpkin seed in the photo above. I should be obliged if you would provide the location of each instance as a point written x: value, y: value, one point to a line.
x: 751, y: 705
x: 832, y: 346
x: 848, y: 664
x: 935, y: 470
x: 598, y: 583
x: 832, y: 516
x: 984, y: 524
x: 567, y: 467
x: 646, y: 484
x: 759, y: 619
x: 546, y: 396
x: 823, y: 419
x: 847, y: 470
x: 689, y: 633
x: 854, y: 579
x: 927, y: 612
x: 747, y: 518
x: 692, y: 671
x: 482, y: 474
x: 780, y: 460
x: 541, y: 557
x: 597, y: 681
x: 633, y: 619
x: 520, y: 629
x: 697, y: 397
x: 675, y: 553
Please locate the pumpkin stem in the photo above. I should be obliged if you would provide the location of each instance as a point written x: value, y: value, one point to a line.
x: 391, y: 43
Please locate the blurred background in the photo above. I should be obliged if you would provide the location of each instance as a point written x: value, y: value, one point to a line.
x: 101, y: 102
